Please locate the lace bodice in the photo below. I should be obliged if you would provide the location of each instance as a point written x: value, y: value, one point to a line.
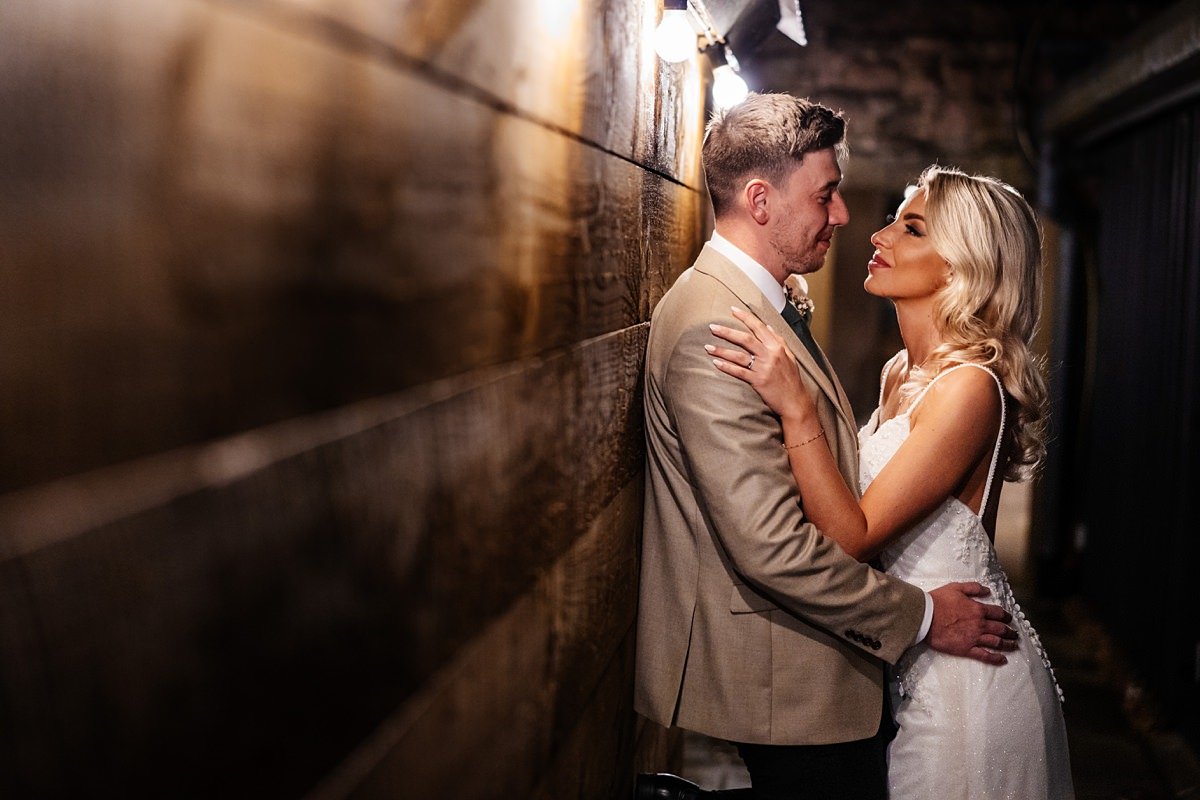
x: 949, y: 545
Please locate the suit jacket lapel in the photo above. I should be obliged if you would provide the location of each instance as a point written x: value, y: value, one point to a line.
x: 843, y: 401
x: 712, y: 263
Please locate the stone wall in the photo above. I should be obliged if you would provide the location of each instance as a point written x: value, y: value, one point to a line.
x: 962, y: 84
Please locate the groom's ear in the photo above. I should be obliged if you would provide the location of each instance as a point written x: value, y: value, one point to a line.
x: 755, y: 195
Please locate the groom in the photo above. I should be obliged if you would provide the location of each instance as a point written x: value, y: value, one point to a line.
x: 752, y: 626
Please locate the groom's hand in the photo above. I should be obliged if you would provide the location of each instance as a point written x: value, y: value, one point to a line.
x: 963, y: 627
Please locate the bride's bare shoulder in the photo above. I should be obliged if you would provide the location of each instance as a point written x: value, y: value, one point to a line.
x: 968, y: 396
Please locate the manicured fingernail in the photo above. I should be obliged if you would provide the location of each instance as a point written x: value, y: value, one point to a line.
x: 717, y: 361
x: 709, y: 348
x: 735, y: 309
x: 712, y: 326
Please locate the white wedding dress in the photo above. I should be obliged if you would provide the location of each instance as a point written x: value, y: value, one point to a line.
x: 966, y: 729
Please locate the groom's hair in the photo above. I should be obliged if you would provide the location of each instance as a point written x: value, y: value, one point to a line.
x: 765, y: 136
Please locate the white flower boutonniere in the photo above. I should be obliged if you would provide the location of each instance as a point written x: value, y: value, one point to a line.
x: 797, y: 293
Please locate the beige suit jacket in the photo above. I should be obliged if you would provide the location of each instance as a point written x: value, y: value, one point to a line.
x: 752, y: 626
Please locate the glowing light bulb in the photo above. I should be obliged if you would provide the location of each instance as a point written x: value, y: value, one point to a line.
x: 674, y: 38
x: 728, y: 87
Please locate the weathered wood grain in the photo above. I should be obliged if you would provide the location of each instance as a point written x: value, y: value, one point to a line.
x: 491, y: 722
x: 603, y: 735
x: 26, y: 692
x: 226, y: 220
x: 249, y: 622
x: 586, y: 68
x: 323, y: 331
x: 656, y: 749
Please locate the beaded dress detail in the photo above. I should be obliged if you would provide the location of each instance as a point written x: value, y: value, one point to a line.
x: 967, y: 729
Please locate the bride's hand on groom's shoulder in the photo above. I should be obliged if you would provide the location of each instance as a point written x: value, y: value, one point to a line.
x: 963, y: 626
x: 762, y: 359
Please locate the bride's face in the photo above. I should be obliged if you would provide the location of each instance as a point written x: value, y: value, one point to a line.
x: 905, y: 265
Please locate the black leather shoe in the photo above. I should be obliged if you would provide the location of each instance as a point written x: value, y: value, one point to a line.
x: 664, y: 786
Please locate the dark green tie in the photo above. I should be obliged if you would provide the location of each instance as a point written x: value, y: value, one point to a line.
x: 799, y: 323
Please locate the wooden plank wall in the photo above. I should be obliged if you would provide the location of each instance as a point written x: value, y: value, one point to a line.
x: 322, y: 334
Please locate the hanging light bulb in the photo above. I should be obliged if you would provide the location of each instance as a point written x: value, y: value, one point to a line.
x: 728, y: 87
x: 674, y: 38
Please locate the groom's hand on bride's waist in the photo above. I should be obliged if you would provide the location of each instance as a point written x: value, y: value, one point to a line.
x: 963, y: 626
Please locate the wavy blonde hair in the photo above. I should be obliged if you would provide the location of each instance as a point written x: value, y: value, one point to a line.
x: 988, y: 311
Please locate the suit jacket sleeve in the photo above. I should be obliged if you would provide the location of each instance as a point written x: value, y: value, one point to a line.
x: 746, y: 491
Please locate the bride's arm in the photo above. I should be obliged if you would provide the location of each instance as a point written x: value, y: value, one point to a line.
x: 826, y: 499
x: 823, y: 491
x: 950, y: 432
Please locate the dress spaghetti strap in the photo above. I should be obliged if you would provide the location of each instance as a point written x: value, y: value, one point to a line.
x: 987, y: 489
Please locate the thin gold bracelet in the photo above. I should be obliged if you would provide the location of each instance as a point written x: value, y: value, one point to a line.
x: 806, y: 441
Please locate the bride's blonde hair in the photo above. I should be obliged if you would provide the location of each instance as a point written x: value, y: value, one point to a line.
x: 988, y: 311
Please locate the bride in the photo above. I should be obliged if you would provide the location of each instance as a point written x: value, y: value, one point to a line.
x: 960, y: 406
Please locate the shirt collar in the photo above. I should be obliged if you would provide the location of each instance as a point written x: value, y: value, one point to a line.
x: 756, y: 272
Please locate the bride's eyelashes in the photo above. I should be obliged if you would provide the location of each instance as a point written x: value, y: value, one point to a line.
x: 911, y: 229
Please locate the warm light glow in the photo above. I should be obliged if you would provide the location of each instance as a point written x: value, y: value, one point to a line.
x: 556, y: 18
x: 674, y: 38
x: 728, y: 87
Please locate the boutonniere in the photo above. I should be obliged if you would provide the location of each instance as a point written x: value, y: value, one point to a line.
x: 798, y: 294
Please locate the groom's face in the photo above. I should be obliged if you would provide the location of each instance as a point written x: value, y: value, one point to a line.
x: 810, y: 208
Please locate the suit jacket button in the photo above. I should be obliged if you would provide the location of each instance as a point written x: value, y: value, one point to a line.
x: 849, y: 634
x: 875, y: 645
